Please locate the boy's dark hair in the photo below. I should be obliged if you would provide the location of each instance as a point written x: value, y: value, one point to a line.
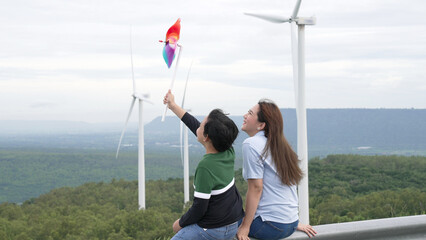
x: 221, y: 130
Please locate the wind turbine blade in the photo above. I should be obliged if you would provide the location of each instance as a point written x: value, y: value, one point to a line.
x: 186, y: 84
x: 181, y: 140
x: 131, y: 60
x: 125, y: 125
x: 269, y: 17
x: 296, y: 9
x: 294, y: 54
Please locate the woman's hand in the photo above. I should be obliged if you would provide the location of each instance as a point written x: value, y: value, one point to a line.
x: 169, y: 99
x: 176, y: 226
x: 308, y: 229
x: 243, y: 232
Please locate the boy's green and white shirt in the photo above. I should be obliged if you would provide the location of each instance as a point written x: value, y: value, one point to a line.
x: 214, y: 174
x: 217, y: 202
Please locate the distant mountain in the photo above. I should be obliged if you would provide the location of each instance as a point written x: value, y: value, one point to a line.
x: 394, y: 131
x: 375, y: 128
x: 364, y: 131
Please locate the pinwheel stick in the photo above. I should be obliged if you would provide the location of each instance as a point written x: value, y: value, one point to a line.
x: 173, y: 79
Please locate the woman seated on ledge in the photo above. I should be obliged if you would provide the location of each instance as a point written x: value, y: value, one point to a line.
x: 272, y: 171
x: 217, y: 205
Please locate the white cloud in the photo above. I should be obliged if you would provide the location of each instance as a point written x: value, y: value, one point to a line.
x: 70, y: 60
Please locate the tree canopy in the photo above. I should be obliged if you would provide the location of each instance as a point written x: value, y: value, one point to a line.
x: 342, y: 188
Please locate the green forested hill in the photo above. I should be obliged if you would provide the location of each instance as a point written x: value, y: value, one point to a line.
x: 27, y: 173
x: 342, y: 188
x: 354, y: 187
x: 94, y: 211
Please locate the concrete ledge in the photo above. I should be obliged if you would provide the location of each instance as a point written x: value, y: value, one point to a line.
x: 411, y: 227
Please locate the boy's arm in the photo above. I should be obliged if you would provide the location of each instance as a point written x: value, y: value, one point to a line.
x: 191, y: 122
x: 195, y: 213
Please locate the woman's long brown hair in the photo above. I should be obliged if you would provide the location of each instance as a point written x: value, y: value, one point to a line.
x: 285, y: 159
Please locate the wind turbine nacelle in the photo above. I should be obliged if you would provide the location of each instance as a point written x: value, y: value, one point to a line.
x: 306, y: 21
x: 143, y: 97
x: 140, y: 95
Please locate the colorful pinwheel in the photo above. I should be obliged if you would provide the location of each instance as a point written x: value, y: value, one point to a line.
x: 169, y: 49
x: 170, y: 45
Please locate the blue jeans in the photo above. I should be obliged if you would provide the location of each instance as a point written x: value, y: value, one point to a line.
x: 196, y: 232
x: 267, y: 230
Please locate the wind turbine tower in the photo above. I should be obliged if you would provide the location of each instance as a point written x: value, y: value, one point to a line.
x: 185, y: 152
x: 298, y: 53
x: 141, y: 144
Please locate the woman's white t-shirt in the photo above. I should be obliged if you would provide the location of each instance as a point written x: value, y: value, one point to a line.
x: 279, y: 202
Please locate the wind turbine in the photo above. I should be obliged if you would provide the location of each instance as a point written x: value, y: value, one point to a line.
x: 298, y: 53
x: 185, y: 147
x: 141, y: 147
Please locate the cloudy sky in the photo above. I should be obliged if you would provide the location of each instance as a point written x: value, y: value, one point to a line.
x: 70, y: 60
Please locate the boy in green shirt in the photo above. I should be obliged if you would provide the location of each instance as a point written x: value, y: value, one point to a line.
x: 217, y: 205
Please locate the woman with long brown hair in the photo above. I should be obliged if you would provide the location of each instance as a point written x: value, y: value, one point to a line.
x: 271, y: 168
